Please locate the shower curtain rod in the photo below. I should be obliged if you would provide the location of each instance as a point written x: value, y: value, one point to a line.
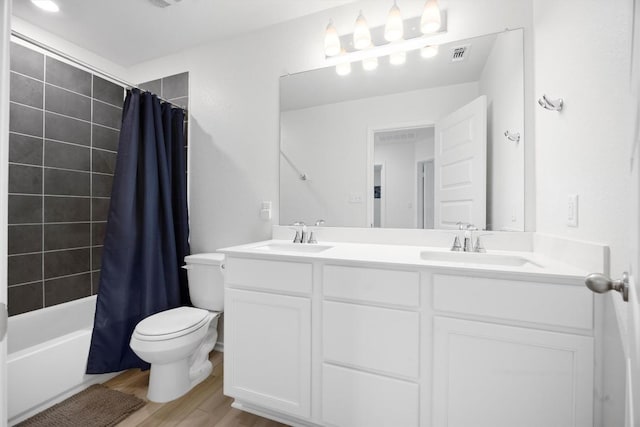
x: 83, y: 64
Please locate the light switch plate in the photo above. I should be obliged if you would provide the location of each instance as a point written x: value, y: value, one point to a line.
x: 572, y: 210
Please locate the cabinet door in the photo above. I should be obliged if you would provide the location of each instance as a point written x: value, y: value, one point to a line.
x: 268, y: 350
x: 501, y: 376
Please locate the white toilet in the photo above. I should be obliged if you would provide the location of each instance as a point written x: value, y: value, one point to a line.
x: 177, y: 342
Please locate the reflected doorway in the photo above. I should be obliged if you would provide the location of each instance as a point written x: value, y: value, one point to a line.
x: 425, y: 194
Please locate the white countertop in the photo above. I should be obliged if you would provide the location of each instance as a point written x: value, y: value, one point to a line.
x: 539, y: 266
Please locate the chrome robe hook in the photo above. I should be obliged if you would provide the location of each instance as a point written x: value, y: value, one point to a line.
x: 551, y: 104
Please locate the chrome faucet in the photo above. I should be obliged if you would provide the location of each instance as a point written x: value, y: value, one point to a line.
x: 312, y: 238
x: 301, y: 233
x: 468, y: 243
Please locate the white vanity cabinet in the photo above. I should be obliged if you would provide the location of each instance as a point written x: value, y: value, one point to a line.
x: 326, y: 342
x: 370, y: 347
x: 268, y: 335
x: 506, y: 363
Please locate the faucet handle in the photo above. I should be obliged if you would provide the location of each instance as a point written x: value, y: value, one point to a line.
x: 478, y: 247
x: 456, y: 247
x: 300, y: 232
x: 320, y: 223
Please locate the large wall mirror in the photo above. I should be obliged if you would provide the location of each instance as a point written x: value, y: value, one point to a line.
x: 423, y: 144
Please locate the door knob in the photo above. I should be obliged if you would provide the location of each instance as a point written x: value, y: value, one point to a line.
x: 600, y: 284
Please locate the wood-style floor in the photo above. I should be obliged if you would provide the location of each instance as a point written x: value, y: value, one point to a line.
x: 205, y: 405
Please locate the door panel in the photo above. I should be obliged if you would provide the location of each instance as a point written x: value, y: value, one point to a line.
x: 461, y: 166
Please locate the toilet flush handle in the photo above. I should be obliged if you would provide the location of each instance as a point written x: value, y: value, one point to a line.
x: 189, y: 267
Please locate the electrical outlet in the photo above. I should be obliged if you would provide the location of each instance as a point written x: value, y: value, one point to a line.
x: 356, y: 198
x: 572, y: 210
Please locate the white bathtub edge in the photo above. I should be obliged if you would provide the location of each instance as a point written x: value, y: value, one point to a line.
x: 96, y: 379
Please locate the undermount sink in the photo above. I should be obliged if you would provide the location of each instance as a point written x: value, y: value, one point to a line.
x: 476, y: 258
x: 293, y: 247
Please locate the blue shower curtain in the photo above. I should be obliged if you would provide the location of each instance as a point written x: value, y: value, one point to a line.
x: 147, y: 233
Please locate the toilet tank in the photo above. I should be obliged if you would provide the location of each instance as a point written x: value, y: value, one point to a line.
x: 206, y: 280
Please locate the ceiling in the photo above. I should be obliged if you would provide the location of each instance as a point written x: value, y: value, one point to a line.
x: 148, y: 31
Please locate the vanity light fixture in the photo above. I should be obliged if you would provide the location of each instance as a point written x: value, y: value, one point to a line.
x: 431, y: 19
x: 398, y: 58
x: 361, y: 33
x: 331, y: 40
x: 429, y: 51
x: 394, y: 28
x: 46, y: 5
x: 343, y: 68
x: 369, y: 64
x: 393, y: 39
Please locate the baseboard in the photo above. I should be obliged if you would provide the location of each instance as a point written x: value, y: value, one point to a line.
x: 219, y: 347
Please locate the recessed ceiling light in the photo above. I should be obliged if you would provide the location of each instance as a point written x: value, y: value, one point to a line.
x: 46, y: 5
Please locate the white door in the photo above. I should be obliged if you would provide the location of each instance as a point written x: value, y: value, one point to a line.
x: 461, y: 166
x: 5, y: 31
x: 631, y: 310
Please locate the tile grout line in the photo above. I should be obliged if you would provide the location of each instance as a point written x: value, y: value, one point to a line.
x: 75, y: 144
x: 75, y: 248
x: 44, y: 83
x: 44, y: 96
x: 29, y: 165
x: 91, y: 286
x: 43, y: 110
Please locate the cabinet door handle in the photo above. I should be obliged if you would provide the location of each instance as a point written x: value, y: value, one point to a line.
x: 600, y: 284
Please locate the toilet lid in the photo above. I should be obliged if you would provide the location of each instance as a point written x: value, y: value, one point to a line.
x: 176, y: 322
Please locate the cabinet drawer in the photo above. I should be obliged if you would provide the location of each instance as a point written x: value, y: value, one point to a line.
x: 291, y: 277
x: 353, y: 398
x: 372, y: 285
x: 381, y: 339
x: 551, y: 304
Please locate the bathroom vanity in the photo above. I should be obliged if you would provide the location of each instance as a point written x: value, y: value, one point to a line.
x: 348, y: 334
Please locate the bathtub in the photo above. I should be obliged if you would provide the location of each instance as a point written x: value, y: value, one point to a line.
x: 47, y: 357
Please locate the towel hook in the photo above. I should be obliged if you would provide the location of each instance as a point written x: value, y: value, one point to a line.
x: 551, y: 104
x: 512, y: 136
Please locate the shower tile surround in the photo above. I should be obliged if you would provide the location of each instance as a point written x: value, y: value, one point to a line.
x: 64, y: 130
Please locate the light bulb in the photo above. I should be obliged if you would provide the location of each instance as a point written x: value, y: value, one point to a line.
x: 398, y: 58
x: 429, y: 51
x: 430, y: 21
x: 46, y: 5
x: 343, y: 68
x: 331, y: 40
x: 393, y: 29
x: 361, y: 33
x: 369, y: 64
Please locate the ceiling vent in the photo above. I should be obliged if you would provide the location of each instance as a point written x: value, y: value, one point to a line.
x: 164, y: 3
x: 460, y: 53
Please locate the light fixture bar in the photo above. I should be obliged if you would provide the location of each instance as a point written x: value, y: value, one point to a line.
x: 414, y: 39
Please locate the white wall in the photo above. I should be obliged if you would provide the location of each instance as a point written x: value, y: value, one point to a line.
x: 234, y: 106
x: 501, y: 81
x: 582, y: 50
x: 318, y: 136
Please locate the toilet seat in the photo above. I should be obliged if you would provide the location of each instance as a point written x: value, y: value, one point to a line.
x: 172, y: 323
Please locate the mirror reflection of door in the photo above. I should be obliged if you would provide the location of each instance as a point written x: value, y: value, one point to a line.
x: 404, y: 200
x: 378, y: 200
x: 461, y: 166
x: 425, y: 194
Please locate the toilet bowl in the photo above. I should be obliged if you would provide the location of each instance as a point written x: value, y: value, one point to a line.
x: 177, y: 342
